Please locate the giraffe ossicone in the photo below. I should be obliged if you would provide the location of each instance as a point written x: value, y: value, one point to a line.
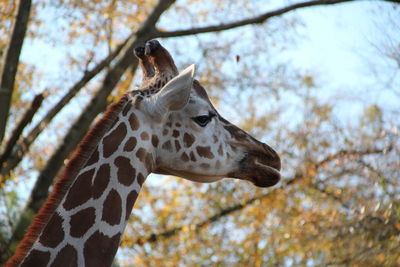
x: 168, y: 126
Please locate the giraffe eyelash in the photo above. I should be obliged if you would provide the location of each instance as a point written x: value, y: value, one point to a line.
x: 203, y: 120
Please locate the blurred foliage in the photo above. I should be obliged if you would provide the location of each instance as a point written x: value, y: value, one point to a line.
x: 338, y: 203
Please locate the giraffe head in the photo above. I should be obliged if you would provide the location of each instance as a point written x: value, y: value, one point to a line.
x: 192, y: 140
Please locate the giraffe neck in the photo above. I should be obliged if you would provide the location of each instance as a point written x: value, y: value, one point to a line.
x: 86, y: 227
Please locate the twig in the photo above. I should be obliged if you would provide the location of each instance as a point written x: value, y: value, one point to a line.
x: 255, y: 20
x: 154, y: 237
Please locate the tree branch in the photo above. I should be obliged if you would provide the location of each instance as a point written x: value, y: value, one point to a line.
x: 255, y: 20
x: 353, y: 154
x: 80, y: 127
x: 23, y: 146
x: 16, y: 134
x: 9, y: 64
x: 154, y: 237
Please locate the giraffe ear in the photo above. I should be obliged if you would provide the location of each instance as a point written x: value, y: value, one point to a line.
x: 175, y: 94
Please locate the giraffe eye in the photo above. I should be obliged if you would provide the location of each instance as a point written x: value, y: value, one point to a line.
x: 202, y: 120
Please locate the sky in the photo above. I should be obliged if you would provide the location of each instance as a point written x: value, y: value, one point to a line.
x: 332, y: 44
x: 337, y: 45
x: 334, y: 39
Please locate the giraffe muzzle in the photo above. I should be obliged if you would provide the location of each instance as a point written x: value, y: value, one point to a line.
x: 259, y: 166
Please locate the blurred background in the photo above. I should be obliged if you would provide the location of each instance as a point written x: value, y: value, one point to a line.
x: 319, y: 81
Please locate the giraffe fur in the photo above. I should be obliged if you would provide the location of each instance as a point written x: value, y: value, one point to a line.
x: 169, y: 126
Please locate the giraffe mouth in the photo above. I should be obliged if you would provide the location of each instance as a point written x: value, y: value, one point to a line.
x: 259, y: 168
x: 265, y: 175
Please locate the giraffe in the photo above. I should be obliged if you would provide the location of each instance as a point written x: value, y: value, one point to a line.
x: 168, y: 126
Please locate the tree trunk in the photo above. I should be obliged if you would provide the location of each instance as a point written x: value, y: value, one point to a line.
x: 19, y: 150
x: 9, y: 64
x: 78, y: 130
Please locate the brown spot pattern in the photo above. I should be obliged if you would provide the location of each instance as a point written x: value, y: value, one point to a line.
x: 178, y: 124
x: 141, y: 154
x: 101, y: 180
x: 184, y: 157
x: 167, y: 146
x: 113, y: 124
x: 130, y: 144
x: 165, y: 132
x: 99, y: 249
x: 134, y: 122
x: 192, y: 157
x: 140, y: 179
x: 205, y: 152
x: 188, y: 139
x: 126, y: 173
x: 215, y: 139
x: 175, y: 133
x: 154, y: 140
x: 144, y: 136
x: 82, y: 221
x: 130, y: 201
x: 112, y: 141
x: 67, y: 255
x: 81, y: 184
x: 93, y: 159
x: 127, y: 108
x: 36, y: 258
x: 138, y: 101
x: 148, y: 163
x: 53, y: 233
x: 177, y: 145
x: 112, y: 208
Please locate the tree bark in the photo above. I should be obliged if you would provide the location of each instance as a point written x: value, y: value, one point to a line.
x: 16, y: 133
x: 81, y: 126
x: 9, y: 64
x: 8, y: 163
x: 146, y: 31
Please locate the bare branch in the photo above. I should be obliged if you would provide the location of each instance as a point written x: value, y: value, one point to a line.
x: 255, y: 20
x: 144, y: 33
x: 154, y: 237
x: 23, y: 146
x: 353, y: 154
x: 9, y: 64
x: 327, y: 193
x: 25, y: 120
x: 80, y: 127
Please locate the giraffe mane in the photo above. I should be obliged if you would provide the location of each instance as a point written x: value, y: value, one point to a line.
x: 81, y: 155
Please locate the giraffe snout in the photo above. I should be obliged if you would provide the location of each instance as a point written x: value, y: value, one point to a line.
x: 273, y: 157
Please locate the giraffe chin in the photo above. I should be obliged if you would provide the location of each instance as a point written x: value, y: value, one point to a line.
x: 266, y: 177
x: 199, y: 178
x: 261, y: 176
